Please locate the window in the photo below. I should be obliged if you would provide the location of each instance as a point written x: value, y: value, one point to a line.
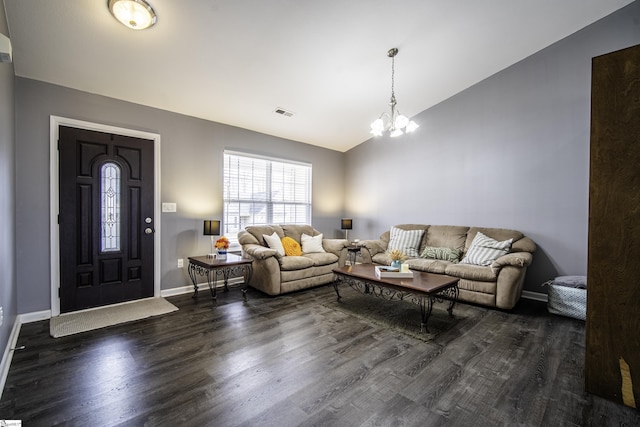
x: 110, y: 207
x: 261, y: 190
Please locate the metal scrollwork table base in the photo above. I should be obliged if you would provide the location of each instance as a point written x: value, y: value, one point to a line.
x: 211, y: 268
x: 423, y: 288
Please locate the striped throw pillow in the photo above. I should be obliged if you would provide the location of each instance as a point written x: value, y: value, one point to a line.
x: 406, y: 241
x: 446, y: 254
x: 484, y: 250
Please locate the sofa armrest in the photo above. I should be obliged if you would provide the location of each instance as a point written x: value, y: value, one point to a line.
x: 259, y: 252
x: 374, y: 246
x: 515, y: 259
x: 335, y: 246
x: 369, y: 248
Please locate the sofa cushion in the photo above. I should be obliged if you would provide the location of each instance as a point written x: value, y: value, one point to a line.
x: 447, y: 236
x: 311, y: 244
x: 484, y: 250
x: 407, y: 241
x: 436, y: 266
x: 291, y: 247
x: 324, y: 258
x: 290, y: 263
x: 259, y: 230
x: 471, y: 272
x: 446, y: 254
x: 295, y: 231
x: 274, y: 242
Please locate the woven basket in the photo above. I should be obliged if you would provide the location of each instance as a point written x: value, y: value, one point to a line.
x: 567, y: 300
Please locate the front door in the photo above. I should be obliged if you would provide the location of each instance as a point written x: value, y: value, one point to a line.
x: 106, y: 218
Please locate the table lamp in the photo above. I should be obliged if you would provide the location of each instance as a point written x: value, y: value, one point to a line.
x: 346, y: 224
x: 211, y: 228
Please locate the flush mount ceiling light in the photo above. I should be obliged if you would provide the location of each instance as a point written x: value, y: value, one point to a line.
x: 135, y: 14
x: 395, y: 122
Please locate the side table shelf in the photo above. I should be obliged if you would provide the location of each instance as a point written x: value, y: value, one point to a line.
x: 211, y: 268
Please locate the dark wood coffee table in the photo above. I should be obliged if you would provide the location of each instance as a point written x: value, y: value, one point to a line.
x: 423, y: 288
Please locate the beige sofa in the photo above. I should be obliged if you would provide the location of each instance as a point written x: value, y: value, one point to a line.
x: 275, y: 274
x: 496, y: 285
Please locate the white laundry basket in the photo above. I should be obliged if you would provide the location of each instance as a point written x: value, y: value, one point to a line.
x: 568, y: 296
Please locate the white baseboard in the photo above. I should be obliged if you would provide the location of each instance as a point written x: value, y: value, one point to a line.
x: 36, y: 316
x: 8, y: 354
x: 536, y: 296
x: 189, y: 288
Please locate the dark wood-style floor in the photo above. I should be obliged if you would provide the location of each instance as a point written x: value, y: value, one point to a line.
x: 293, y: 360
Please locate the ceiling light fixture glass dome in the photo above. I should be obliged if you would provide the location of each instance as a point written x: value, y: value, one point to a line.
x: 134, y: 14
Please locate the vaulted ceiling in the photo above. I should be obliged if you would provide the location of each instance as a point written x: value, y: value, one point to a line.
x: 236, y: 61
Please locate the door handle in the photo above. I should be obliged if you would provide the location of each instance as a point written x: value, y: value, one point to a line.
x: 148, y: 230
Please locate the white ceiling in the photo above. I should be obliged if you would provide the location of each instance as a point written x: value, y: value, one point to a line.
x: 235, y: 61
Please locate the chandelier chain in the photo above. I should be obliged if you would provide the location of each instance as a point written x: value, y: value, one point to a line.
x: 393, y: 77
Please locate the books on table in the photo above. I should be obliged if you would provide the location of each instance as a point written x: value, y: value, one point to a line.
x: 384, y: 271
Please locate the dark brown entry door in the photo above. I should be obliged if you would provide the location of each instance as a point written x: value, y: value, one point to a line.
x: 106, y: 218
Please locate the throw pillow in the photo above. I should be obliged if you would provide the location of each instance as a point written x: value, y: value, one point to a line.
x: 446, y: 254
x: 484, y: 250
x: 291, y: 247
x: 274, y: 242
x: 311, y: 244
x: 406, y: 241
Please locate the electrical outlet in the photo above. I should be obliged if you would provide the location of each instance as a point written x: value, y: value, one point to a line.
x: 180, y: 263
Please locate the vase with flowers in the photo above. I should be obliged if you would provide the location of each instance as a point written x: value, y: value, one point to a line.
x: 222, y: 245
x: 396, y: 256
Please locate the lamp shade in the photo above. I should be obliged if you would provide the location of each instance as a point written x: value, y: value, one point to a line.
x: 346, y: 224
x: 211, y: 228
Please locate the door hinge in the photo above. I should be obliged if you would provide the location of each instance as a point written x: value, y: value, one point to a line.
x: 59, y: 293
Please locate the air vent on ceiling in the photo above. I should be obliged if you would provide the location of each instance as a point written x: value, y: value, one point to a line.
x: 283, y: 112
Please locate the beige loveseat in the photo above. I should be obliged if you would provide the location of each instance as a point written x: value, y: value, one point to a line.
x: 498, y: 284
x: 275, y: 274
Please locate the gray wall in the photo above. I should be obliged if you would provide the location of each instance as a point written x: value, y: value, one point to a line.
x: 510, y: 152
x: 8, y: 288
x: 191, y: 176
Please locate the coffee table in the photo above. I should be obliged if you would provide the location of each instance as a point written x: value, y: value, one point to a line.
x: 423, y: 288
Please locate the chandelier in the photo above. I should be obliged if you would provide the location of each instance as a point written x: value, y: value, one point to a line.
x: 395, y: 123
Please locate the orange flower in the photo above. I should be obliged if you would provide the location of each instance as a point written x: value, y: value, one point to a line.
x: 222, y: 243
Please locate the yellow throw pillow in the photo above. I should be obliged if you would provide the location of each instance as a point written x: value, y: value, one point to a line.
x: 291, y: 247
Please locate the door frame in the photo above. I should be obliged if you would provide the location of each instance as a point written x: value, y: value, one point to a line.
x: 54, y: 192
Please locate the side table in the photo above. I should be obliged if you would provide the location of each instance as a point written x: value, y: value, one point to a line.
x: 212, y: 267
x: 353, y: 250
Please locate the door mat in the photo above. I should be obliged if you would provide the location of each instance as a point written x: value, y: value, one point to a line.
x: 96, y: 318
x: 400, y: 316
